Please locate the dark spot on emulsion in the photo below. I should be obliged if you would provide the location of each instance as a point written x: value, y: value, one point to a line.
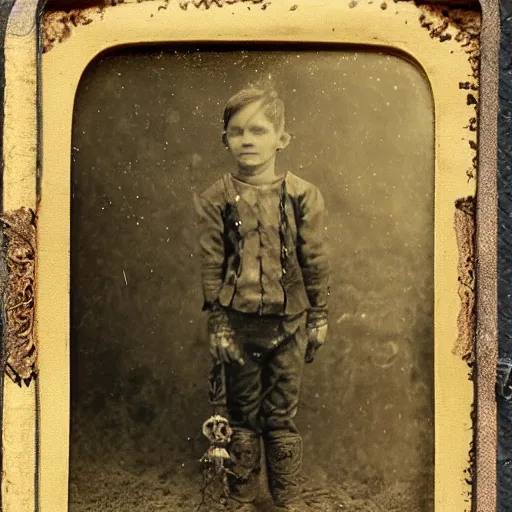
x: 471, y: 100
x: 445, y: 37
x: 472, y: 144
x: 294, y: 7
x: 383, y: 6
x: 466, y: 205
x: 468, y: 86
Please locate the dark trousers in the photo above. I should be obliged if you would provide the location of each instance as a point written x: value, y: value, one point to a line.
x: 263, y: 394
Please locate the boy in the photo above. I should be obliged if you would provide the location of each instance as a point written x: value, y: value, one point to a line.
x: 265, y: 280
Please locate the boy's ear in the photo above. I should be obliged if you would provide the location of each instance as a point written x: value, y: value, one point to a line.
x: 284, y: 140
x: 225, y: 139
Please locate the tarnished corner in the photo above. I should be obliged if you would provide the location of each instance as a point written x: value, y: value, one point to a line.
x: 57, y: 26
x: 17, y: 281
x: 465, y: 229
x: 463, y: 26
x: 465, y: 209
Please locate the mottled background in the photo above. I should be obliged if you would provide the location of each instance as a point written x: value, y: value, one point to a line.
x: 146, y: 137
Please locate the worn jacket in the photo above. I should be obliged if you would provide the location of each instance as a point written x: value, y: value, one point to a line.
x: 225, y: 219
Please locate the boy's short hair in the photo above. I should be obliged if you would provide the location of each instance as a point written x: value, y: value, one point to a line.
x: 272, y: 105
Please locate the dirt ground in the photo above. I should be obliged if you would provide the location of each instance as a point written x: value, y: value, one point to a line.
x: 112, y: 488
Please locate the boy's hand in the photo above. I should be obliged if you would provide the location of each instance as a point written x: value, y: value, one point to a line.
x: 316, y: 338
x: 222, y: 340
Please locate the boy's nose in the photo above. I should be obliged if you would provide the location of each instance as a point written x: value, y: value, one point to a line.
x: 247, y: 140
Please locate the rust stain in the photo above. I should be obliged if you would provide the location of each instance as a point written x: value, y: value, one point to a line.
x: 466, y: 320
x: 469, y: 472
x: 468, y: 86
x: 58, y: 23
x: 206, y: 4
x: 463, y: 26
x: 472, y: 124
x: 20, y: 351
x: 200, y: 3
x: 57, y: 26
x: 471, y: 100
x: 65, y: 5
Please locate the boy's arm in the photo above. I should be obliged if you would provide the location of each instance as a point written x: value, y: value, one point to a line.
x: 312, y: 254
x: 211, y: 242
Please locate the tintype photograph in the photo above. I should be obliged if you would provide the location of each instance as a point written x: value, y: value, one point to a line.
x: 248, y: 256
x: 252, y: 275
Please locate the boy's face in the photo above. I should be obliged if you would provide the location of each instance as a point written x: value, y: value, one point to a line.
x: 252, y: 137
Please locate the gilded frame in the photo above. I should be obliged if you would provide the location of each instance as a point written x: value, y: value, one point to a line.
x: 462, y: 71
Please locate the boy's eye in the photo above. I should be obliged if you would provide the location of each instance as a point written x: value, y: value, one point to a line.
x: 258, y: 130
x: 235, y: 132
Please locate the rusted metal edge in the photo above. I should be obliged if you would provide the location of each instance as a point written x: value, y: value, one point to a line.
x: 464, y: 223
x: 18, y: 283
x: 463, y: 26
x: 59, y: 18
x: 465, y: 347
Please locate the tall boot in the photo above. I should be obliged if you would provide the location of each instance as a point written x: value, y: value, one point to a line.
x: 245, y: 452
x: 284, y: 458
